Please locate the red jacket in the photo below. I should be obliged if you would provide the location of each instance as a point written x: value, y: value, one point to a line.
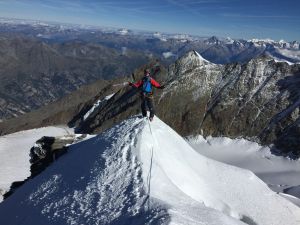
x: 153, y: 82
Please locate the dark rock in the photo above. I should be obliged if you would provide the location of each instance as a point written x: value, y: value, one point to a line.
x: 45, y: 151
x: 258, y: 101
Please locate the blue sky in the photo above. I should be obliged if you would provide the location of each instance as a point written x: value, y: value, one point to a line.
x: 235, y: 18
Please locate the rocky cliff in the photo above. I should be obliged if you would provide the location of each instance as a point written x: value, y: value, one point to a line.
x: 258, y: 100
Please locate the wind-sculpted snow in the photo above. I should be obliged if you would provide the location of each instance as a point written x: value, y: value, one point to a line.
x: 144, y: 173
x: 99, y: 182
x: 280, y: 173
x: 201, y: 183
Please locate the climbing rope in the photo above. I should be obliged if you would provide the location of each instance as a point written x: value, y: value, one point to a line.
x: 150, y: 169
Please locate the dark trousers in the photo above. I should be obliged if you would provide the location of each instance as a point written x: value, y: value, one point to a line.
x: 147, y: 102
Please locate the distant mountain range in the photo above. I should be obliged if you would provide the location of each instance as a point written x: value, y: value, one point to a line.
x: 42, y: 62
x: 34, y: 73
x: 162, y: 45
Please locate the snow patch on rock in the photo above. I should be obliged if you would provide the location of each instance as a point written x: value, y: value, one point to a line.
x: 96, y: 105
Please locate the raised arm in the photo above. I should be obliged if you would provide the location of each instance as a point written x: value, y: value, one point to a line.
x: 155, y: 83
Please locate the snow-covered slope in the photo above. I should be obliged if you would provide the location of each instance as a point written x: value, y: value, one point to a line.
x: 280, y: 173
x: 291, y: 56
x: 231, y: 190
x: 141, y: 173
x: 14, y: 154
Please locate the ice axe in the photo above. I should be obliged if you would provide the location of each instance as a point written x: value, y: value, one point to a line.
x: 125, y: 83
x: 133, y: 77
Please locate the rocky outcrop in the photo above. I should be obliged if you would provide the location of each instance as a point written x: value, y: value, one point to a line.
x: 48, y: 149
x: 44, y: 152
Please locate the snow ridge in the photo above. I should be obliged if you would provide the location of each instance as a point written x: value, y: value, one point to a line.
x: 201, y: 58
x: 100, y: 182
x: 144, y: 173
x: 195, y: 180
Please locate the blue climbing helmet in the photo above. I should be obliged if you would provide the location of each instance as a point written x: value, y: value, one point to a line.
x: 147, y: 86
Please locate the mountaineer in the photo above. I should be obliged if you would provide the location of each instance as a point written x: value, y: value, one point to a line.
x: 146, y: 86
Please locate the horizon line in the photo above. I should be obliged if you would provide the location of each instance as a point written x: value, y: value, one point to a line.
x: 138, y: 30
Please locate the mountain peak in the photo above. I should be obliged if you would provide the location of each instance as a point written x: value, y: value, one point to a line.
x: 194, y: 56
x: 212, y: 40
x: 200, y: 57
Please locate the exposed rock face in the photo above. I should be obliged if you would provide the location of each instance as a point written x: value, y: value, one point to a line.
x: 48, y: 149
x: 183, y: 102
x: 258, y: 100
x: 45, y: 151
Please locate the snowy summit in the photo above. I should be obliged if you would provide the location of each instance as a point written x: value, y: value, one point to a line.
x: 144, y: 173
